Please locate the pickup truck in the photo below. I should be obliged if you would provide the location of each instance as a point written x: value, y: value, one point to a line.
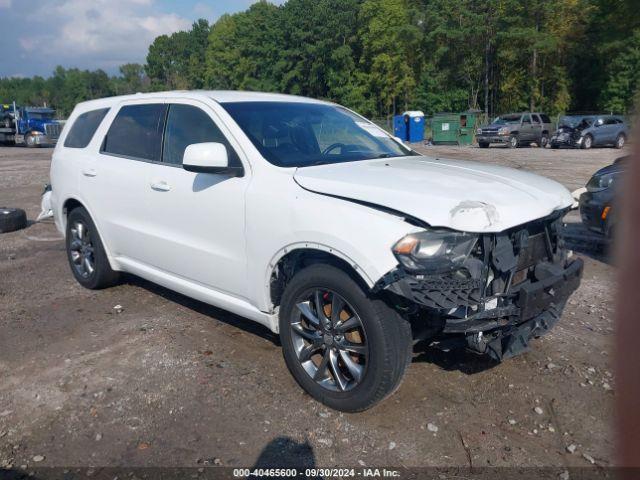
x: 516, y: 129
x: 30, y: 126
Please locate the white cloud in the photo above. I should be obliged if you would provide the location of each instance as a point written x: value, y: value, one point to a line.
x: 111, y: 31
x: 203, y: 10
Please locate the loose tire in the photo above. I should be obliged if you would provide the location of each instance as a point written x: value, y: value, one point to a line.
x: 12, y: 219
x: 85, y: 252
x: 483, y: 145
x: 344, y: 347
x: 513, y: 142
x: 620, y: 141
x: 587, y: 142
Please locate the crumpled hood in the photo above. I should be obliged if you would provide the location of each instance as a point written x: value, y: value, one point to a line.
x: 461, y: 195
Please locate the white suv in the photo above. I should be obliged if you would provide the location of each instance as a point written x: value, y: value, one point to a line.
x: 307, y: 218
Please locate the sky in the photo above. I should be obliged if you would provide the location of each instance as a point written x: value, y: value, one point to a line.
x: 38, y: 35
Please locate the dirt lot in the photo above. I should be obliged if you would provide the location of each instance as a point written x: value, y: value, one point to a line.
x: 169, y: 381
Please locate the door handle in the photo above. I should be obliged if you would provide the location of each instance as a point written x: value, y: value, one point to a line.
x: 160, y: 186
x: 89, y: 172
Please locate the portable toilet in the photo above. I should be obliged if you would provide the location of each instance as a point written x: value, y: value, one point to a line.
x: 409, y: 126
x: 415, y: 125
x: 400, y: 128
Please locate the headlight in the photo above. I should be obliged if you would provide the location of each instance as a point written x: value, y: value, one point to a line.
x: 503, y: 131
x: 479, y: 131
x: 434, y: 251
x: 598, y: 183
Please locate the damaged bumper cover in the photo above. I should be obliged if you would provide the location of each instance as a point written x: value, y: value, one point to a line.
x: 518, y: 293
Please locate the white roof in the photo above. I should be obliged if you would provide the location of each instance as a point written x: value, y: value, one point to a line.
x: 220, y: 96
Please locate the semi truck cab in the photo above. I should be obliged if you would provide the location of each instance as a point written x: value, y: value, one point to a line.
x: 30, y: 126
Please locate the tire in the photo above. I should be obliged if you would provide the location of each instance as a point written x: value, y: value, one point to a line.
x: 12, y: 219
x: 84, y: 244
x: 30, y: 140
x: 381, y: 334
x: 513, y: 142
x: 483, y: 145
x: 620, y: 141
x: 587, y: 142
x: 544, y: 141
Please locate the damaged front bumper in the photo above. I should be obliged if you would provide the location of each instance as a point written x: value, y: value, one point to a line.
x: 513, y: 289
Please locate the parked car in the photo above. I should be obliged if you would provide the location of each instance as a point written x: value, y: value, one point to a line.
x: 516, y: 129
x: 309, y: 219
x: 597, y: 204
x: 586, y: 131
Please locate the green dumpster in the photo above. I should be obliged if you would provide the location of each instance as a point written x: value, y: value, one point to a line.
x: 454, y: 128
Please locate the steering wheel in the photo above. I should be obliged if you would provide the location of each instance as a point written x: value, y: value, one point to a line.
x: 331, y: 147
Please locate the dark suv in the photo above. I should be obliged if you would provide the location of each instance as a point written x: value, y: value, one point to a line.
x: 516, y: 129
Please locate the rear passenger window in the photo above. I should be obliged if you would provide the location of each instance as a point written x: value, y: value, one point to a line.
x: 545, y: 118
x: 137, y: 132
x: 187, y: 125
x: 84, y: 127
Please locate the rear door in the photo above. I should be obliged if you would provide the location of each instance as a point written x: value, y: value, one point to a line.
x: 536, y: 128
x: 526, y: 133
x: 117, y: 182
x: 197, y: 220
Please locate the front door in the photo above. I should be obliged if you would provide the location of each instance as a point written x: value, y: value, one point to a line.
x: 197, y: 219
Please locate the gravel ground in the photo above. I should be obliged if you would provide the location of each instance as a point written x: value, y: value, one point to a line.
x: 168, y: 381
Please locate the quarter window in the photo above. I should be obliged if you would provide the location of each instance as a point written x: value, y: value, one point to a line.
x: 84, y: 127
x: 187, y: 125
x: 136, y: 132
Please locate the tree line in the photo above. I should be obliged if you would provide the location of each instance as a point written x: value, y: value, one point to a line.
x: 380, y: 57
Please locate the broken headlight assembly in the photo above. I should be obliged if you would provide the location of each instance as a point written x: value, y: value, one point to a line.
x: 434, y: 251
x: 503, y: 131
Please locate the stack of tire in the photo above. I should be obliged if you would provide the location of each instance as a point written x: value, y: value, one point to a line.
x: 12, y: 219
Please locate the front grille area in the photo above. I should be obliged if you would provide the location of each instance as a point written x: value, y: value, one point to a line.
x: 52, y: 130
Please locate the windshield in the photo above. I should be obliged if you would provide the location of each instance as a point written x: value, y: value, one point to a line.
x: 574, y: 121
x: 40, y: 115
x: 504, y: 119
x: 297, y: 134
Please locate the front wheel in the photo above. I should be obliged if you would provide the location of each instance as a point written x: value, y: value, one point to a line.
x: 587, y: 142
x: 483, y: 144
x: 30, y: 140
x: 513, y: 141
x: 345, y: 348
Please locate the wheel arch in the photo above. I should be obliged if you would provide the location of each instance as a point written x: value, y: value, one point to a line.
x: 293, y: 258
x: 70, y: 204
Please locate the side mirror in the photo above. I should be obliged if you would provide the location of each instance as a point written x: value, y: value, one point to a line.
x: 208, y: 158
x: 598, y: 122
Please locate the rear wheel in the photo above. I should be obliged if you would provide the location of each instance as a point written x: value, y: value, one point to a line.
x: 544, y: 140
x: 87, y: 258
x: 345, y: 348
x: 620, y: 141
